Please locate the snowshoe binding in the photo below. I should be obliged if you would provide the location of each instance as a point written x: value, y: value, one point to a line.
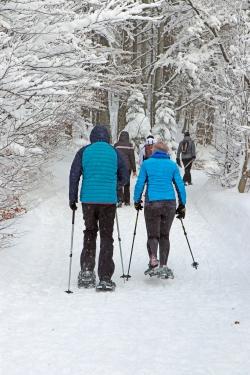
x: 105, y: 286
x: 86, y: 279
x: 165, y: 273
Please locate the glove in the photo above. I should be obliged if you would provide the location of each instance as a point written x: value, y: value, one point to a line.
x: 180, y: 211
x: 73, y: 206
x: 138, y: 206
x: 178, y: 162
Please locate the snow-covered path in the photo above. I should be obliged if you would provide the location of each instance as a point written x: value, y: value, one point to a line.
x: 184, y: 326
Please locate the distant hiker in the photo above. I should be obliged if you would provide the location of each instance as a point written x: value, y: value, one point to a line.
x: 187, y: 151
x: 101, y: 168
x: 160, y: 175
x: 127, y: 151
x: 147, y: 148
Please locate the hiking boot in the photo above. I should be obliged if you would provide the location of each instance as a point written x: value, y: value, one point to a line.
x: 105, y: 285
x: 86, y: 279
x: 119, y: 204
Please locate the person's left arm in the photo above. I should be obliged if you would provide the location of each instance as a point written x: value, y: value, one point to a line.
x: 140, y: 183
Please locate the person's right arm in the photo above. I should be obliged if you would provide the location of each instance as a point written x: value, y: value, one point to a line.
x: 179, y: 186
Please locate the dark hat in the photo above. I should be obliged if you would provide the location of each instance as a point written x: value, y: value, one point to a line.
x: 187, y: 133
x: 99, y: 133
x: 150, y: 136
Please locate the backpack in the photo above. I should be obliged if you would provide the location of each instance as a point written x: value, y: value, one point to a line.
x: 184, y: 147
x: 148, y: 151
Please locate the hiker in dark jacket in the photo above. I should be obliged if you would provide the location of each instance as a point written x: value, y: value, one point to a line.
x: 101, y: 168
x: 127, y: 151
x: 160, y: 175
x: 186, y: 151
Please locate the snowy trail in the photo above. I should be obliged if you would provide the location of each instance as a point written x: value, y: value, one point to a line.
x: 184, y: 326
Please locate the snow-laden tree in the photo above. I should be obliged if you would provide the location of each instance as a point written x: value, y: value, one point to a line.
x: 165, y: 122
x: 138, y: 125
x: 52, y: 63
x: 208, y: 67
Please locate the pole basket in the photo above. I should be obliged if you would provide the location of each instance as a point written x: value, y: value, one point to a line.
x: 68, y: 291
x: 195, y: 265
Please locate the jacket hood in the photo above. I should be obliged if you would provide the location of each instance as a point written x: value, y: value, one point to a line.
x: 124, y: 137
x: 99, y: 134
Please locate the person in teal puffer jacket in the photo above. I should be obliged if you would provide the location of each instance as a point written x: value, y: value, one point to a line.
x: 101, y: 167
x: 160, y: 175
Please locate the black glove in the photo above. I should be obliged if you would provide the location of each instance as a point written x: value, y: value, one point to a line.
x: 178, y: 162
x: 180, y: 211
x: 73, y: 206
x: 138, y: 206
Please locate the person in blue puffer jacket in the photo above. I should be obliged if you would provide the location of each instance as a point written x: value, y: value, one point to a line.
x: 101, y: 167
x: 160, y: 175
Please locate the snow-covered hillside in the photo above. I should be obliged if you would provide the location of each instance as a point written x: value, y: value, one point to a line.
x: 196, y: 324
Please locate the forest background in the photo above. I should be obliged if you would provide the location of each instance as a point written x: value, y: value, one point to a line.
x: 144, y: 66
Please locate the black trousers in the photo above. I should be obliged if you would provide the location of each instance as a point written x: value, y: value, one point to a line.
x: 187, y: 166
x: 98, y: 216
x: 159, y: 216
x: 124, y: 192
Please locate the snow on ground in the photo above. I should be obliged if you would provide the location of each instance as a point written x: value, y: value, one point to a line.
x: 185, y: 326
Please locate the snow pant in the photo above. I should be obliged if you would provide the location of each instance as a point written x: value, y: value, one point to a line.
x: 187, y: 168
x: 104, y: 216
x: 124, y: 192
x: 159, y: 216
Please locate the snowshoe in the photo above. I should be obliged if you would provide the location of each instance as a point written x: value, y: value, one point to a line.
x: 153, y: 264
x: 86, y: 279
x: 105, y: 286
x: 151, y: 271
x: 165, y: 273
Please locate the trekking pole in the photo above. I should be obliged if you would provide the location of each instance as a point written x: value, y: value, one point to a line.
x: 188, y: 164
x: 71, y: 252
x: 120, y: 246
x: 194, y: 264
x: 132, y: 248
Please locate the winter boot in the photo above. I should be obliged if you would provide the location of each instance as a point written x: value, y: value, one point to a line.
x: 105, y: 286
x: 86, y: 279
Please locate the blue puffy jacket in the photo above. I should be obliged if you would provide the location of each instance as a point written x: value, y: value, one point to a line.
x: 161, y: 175
x: 101, y: 167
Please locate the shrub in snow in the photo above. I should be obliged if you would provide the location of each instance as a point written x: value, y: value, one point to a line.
x: 165, y: 124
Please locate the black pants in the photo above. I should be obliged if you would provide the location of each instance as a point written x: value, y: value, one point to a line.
x: 187, y: 166
x: 104, y: 215
x: 159, y: 217
x: 124, y: 192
